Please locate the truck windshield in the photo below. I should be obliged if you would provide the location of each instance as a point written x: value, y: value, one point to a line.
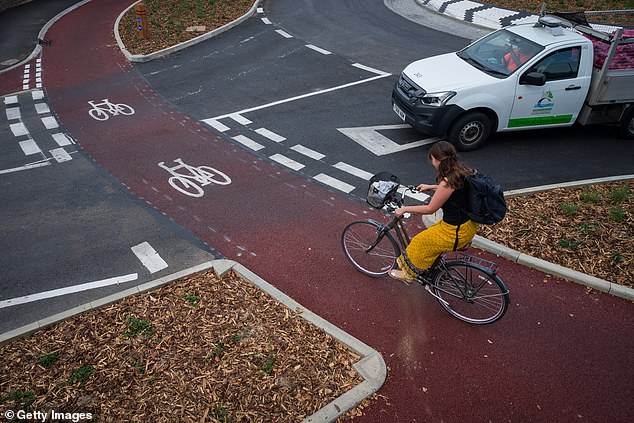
x: 500, y: 53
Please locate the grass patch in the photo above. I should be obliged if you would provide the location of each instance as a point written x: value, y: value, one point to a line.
x: 617, y: 214
x: 49, y: 359
x: 569, y: 244
x: 138, y: 326
x: 569, y: 209
x: 619, y: 195
x: 81, y: 375
x: 591, y: 196
x: 589, y: 228
x: 193, y: 300
x: 19, y: 398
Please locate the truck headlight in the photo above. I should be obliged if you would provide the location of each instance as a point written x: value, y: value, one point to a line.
x: 437, y: 99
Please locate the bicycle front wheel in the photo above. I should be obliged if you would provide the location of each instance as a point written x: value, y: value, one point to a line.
x: 470, y: 292
x: 370, y: 248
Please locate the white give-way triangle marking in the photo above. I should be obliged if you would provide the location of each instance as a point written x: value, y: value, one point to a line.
x: 379, y: 144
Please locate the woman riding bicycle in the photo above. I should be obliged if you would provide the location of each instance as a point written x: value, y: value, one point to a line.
x: 455, y: 230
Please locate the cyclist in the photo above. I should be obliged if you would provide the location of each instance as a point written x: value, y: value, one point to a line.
x: 455, y: 230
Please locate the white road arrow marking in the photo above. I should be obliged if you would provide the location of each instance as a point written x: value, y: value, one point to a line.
x: 379, y: 144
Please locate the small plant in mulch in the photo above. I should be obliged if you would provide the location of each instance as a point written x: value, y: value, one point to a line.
x: 19, y: 398
x: 192, y: 299
x: 48, y: 360
x: 138, y: 326
x: 80, y: 375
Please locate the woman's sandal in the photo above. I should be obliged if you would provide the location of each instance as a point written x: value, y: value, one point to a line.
x: 401, y: 276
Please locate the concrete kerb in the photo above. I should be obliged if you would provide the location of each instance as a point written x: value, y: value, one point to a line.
x: 371, y: 366
x: 543, y: 265
x: 169, y: 50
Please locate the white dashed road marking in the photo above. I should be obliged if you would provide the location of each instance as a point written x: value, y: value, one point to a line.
x: 29, y: 147
x: 308, y: 152
x: 283, y: 33
x: 18, y: 129
x: 317, y: 49
x: 270, y: 135
x: 149, y: 257
x: 13, y: 113
x: 353, y: 170
x: 335, y: 183
x: 290, y: 163
x: 248, y: 142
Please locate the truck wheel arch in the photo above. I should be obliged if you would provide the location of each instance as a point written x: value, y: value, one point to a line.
x: 472, y: 128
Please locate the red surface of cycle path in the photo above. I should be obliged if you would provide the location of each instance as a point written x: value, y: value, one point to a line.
x: 559, y: 355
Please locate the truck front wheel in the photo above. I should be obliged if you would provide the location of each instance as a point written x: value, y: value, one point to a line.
x: 627, y: 124
x: 469, y: 131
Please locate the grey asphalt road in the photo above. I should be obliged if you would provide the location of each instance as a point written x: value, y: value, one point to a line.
x: 255, y: 69
x: 66, y: 222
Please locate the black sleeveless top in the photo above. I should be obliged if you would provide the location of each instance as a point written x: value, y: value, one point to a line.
x: 451, y: 210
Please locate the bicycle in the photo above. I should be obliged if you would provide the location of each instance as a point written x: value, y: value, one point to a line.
x: 102, y: 111
x: 465, y: 286
x: 189, y: 184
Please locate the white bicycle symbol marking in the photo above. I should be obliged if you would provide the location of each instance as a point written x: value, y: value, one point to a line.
x: 191, y: 184
x: 103, y: 110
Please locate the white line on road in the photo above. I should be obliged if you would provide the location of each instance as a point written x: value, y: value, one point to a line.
x: 369, y: 69
x: 29, y: 147
x: 18, y: 129
x: 248, y: 142
x: 308, y: 152
x: 25, y: 167
x: 270, y: 135
x: 62, y: 139
x: 50, y: 122
x: 335, y: 183
x: 299, y: 97
x: 220, y: 127
x: 13, y: 113
x: 283, y: 33
x: 353, y: 170
x: 287, y: 162
x: 266, y: 21
x: 240, y: 119
x: 149, y: 257
x: 68, y: 290
x: 317, y: 49
x: 42, y: 108
x: 37, y: 95
x: 60, y: 155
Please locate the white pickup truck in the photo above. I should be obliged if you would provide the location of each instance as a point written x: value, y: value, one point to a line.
x: 552, y: 73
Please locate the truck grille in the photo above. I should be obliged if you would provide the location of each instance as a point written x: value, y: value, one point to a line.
x: 409, y: 88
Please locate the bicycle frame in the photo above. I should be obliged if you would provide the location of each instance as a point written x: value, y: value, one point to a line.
x: 395, y: 224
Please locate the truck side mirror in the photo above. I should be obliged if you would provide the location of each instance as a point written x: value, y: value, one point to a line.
x: 533, y: 78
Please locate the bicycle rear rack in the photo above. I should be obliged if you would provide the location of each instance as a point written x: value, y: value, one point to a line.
x: 467, y: 258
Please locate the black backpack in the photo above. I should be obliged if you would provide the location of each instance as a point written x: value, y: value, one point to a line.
x: 485, y: 199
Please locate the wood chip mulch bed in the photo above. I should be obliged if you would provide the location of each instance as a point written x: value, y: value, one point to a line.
x: 200, y: 349
x: 589, y: 229
x: 169, y: 20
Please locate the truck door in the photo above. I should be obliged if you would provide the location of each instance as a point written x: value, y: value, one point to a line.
x: 559, y: 100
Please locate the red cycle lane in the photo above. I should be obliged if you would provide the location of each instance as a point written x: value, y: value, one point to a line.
x: 560, y: 353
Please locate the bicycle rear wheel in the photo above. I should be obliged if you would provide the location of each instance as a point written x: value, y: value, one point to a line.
x: 370, y: 248
x: 470, y: 292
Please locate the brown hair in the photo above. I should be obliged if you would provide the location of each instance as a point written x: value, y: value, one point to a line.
x: 450, y: 167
